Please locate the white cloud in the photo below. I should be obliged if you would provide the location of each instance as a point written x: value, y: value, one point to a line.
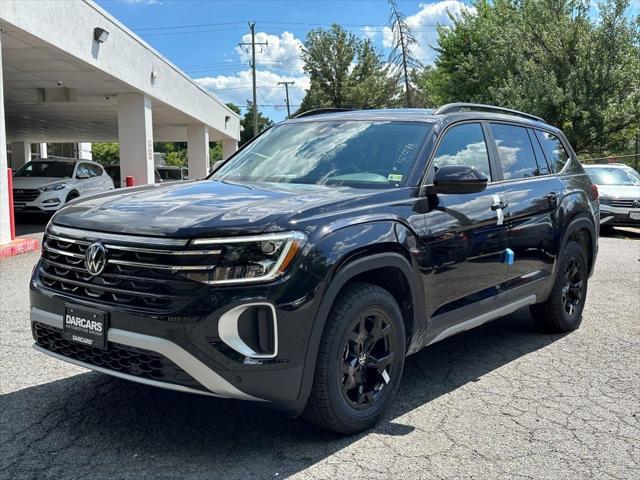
x: 282, y: 53
x: 422, y: 25
x: 370, y: 33
x: 237, y: 88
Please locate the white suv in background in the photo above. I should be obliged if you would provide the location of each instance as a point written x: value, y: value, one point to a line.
x: 45, y: 185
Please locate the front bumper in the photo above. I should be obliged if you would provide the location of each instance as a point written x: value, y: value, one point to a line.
x: 619, y: 216
x: 45, y: 202
x: 189, y: 343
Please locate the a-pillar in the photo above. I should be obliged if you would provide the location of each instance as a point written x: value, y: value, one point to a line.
x: 135, y: 133
x: 198, y: 151
x: 5, y: 225
x: 229, y: 147
x: 20, y: 154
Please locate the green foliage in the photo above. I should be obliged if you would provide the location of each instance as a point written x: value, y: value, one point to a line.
x: 215, y: 152
x: 247, y: 124
x: 547, y: 57
x: 106, y: 153
x: 344, y: 71
x: 234, y: 107
x: 176, y: 158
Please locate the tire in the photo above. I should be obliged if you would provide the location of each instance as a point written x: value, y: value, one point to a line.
x: 351, y: 386
x: 562, y: 312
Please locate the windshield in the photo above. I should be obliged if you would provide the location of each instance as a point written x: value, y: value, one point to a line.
x: 354, y: 153
x: 613, y: 176
x: 170, y: 173
x: 46, y: 169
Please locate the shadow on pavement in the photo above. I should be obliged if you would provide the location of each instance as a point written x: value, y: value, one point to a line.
x: 93, y: 425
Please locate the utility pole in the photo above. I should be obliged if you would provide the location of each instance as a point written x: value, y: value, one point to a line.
x: 286, y: 88
x: 252, y: 27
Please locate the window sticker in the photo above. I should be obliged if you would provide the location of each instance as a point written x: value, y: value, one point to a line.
x: 394, y: 177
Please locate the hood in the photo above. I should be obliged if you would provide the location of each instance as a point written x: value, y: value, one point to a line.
x: 619, y: 191
x: 36, y: 182
x: 206, y: 207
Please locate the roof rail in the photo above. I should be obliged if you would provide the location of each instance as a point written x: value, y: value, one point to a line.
x: 320, y: 111
x: 458, y: 107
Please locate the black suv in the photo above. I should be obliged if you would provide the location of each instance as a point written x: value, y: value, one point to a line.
x: 303, y: 271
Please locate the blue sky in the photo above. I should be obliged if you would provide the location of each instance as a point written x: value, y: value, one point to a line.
x: 201, y: 37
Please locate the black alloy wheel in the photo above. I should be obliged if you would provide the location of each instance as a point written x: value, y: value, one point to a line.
x: 367, y: 358
x: 572, y: 287
x: 360, y: 360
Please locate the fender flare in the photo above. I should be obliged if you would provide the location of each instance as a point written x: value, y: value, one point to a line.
x: 347, y: 272
x: 578, y: 222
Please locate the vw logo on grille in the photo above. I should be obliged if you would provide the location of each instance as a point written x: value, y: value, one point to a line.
x: 636, y: 203
x: 95, y: 259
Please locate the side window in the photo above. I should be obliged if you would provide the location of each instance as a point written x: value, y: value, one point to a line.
x: 83, y: 170
x: 556, y: 155
x: 464, y: 145
x: 543, y: 167
x: 515, y: 151
x: 95, y: 170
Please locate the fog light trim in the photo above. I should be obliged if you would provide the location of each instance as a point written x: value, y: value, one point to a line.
x: 228, y: 331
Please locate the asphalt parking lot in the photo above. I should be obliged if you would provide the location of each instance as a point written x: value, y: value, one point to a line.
x: 501, y: 401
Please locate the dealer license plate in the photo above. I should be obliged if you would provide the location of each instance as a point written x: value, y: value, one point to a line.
x: 85, y: 326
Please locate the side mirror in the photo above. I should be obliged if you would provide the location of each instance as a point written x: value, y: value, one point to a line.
x: 82, y: 176
x: 458, y: 179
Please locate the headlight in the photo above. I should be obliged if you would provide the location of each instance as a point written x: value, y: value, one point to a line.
x: 250, y: 259
x: 605, y: 200
x: 55, y: 186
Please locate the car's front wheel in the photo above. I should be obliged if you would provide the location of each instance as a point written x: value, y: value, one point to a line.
x: 562, y: 312
x: 360, y: 360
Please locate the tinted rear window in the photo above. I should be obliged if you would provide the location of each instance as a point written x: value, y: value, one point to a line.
x: 556, y: 155
x: 515, y: 151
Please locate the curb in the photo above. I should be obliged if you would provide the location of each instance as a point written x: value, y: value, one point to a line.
x: 18, y: 246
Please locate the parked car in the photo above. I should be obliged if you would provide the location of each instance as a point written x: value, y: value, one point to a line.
x: 114, y: 172
x: 46, y: 185
x: 303, y: 271
x: 619, y: 187
x: 173, y: 174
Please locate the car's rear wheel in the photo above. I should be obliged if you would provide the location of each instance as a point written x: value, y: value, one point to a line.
x: 562, y: 312
x: 360, y: 360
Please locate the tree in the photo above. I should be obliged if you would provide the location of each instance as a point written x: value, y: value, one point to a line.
x: 550, y: 58
x: 401, y: 57
x: 344, y: 71
x: 106, y: 153
x: 247, y: 124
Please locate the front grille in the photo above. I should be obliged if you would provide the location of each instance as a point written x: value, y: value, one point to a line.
x: 148, y: 279
x: 619, y: 202
x: 25, y: 195
x: 119, y: 358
